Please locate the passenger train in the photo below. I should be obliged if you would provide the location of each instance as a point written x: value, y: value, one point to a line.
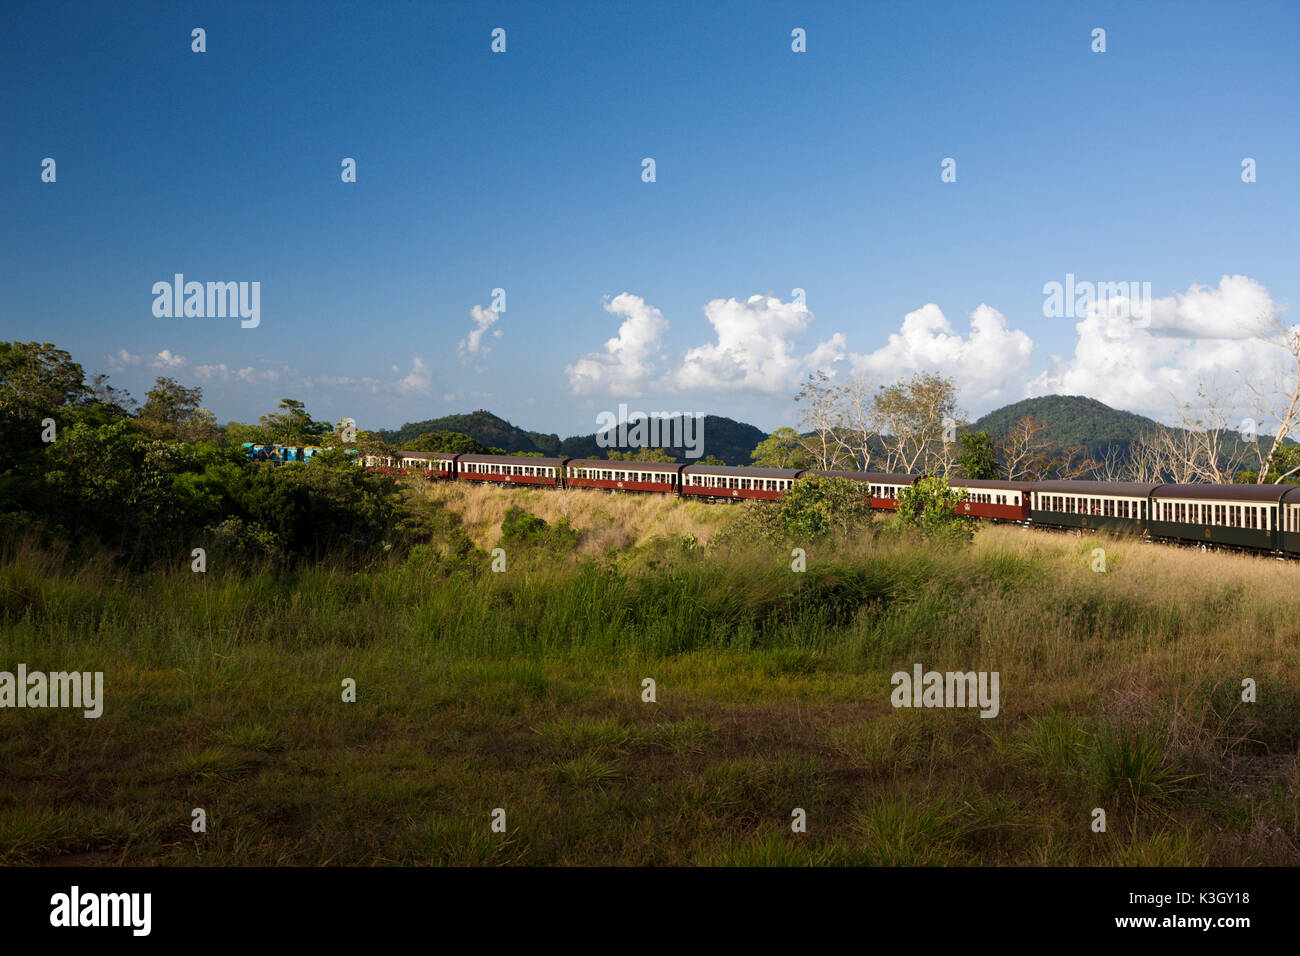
x: 1246, y: 517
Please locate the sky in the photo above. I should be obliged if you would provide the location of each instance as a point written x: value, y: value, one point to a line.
x: 895, y: 198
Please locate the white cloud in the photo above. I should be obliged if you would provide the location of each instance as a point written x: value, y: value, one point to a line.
x: 990, y: 365
x: 210, y: 372
x: 253, y: 376
x: 122, y: 359
x: 220, y: 372
x: 1235, y: 310
x: 625, y: 365
x: 1202, y: 336
x: 419, y: 381
x: 755, y: 348
x: 483, y: 319
x: 165, y: 359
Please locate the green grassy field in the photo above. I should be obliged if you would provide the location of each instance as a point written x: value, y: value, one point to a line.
x: 522, y: 691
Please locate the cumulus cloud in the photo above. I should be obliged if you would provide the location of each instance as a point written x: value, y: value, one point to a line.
x: 419, y: 381
x: 1150, y: 363
x: 989, y: 365
x: 166, y: 359
x: 625, y: 366
x: 755, y: 348
x: 483, y: 320
x: 1237, y: 309
x: 1144, y: 356
x: 123, y: 359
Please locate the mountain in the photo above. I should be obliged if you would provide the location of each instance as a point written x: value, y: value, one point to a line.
x: 482, y: 426
x: 724, y: 438
x: 1070, y: 421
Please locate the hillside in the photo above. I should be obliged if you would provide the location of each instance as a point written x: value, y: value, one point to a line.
x: 482, y: 426
x: 725, y: 438
x: 1071, y: 421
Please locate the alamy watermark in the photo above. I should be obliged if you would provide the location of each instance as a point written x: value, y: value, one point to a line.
x: 128, y: 910
x: 1075, y: 299
x: 75, y: 689
x: 213, y: 300
x: 923, y: 688
x: 668, y: 430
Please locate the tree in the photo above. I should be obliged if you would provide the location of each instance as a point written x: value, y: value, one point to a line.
x: 915, y: 417
x: 820, y: 400
x: 859, y: 417
x: 816, y: 505
x: 36, y: 381
x: 1024, y: 450
x: 930, y: 506
x: 1283, y: 405
x: 977, y: 460
x: 813, y: 506
x: 293, y: 426
x: 1072, y: 463
x: 782, y: 449
x: 451, y: 442
x: 641, y: 454
x: 172, y: 411
x: 114, y: 403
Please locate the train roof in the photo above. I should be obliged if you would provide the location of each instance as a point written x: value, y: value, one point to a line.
x: 1125, y: 489
x: 1227, y: 492
x: 731, y: 471
x: 625, y: 465
x: 877, y: 477
x: 512, y: 460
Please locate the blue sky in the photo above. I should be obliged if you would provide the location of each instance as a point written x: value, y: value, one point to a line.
x: 775, y: 170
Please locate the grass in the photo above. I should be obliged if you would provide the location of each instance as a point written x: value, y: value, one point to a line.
x: 523, y: 691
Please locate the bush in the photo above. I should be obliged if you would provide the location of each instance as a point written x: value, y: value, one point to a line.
x: 523, y: 527
x: 931, y: 507
x: 812, y: 507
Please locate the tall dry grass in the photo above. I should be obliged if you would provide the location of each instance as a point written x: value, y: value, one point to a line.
x: 608, y: 522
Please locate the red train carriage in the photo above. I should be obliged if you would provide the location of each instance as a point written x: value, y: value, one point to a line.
x: 663, y: 477
x: 1003, y: 500
x: 433, y: 465
x: 882, y: 489
x: 510, y: 469
x: 718, y: 482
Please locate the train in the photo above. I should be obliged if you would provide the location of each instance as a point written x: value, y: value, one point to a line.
x: 280, y: 454
x: 1261, y: 518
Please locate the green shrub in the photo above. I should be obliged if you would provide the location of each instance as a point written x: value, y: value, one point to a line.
x: 931, y: 507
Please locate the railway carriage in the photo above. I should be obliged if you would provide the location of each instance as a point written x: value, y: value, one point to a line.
x: 882, y: 489
x: 1289, y: 538
x: 723, y: 482
x: 1234, y: 516
x: 433, y: 465
x: 511, y: 469
x: 999, y: 500
x: 662, y: 477
x: 1123, y: 506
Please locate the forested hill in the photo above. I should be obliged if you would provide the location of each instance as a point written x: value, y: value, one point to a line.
x: 1069, y: 421
x: 482, y: 426
x: 724, y: 438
